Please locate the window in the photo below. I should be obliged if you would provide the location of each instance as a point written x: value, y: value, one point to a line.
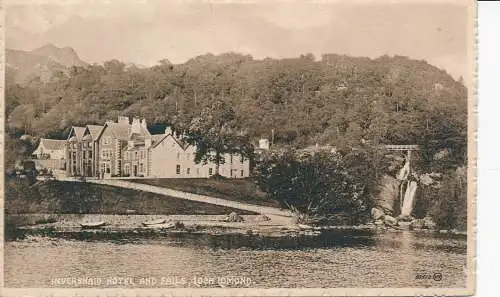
x: 188, y: 171
x: 241, y: 159
x: 74, y: 145
x: 135, y: 155
x: 107, y: 140
x: 106, y: 154
x: 242, y: 172
x: 127, y: 169
x: 141, y: 168
x: 178, y: 169
x: 90, y: 154
x: 197, y: 171
x: 178, y: 155
x: 74, y: 155
x: 231, y: 158
x: 210, y: 171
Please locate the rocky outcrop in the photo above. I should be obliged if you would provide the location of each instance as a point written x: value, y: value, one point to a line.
x: 422, y: 224
x: 377, y: 214
x: 262, y: 218
x: 389, y: 220
x: 234, y: 217
x: 388, y: 196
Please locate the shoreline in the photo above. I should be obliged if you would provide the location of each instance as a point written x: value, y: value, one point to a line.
x: 124, y: 225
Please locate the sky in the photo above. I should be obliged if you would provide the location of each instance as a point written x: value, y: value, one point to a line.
x: 146, y: 31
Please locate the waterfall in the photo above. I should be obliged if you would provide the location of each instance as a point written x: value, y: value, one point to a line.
x: 409, y: 199
x: 407, y: 187
x: 405, y: 171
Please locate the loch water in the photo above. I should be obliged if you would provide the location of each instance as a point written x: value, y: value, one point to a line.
x: 332, y: 259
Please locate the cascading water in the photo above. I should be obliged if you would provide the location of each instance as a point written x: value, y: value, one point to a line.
x: 409, y: 199
x: 404, y: 172
x: 409, y: 188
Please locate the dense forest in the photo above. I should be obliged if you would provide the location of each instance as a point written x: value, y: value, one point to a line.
x: 346, y: 102
x: 337, y: 100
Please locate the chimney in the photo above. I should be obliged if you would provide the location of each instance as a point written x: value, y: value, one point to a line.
x: 264, y: 144
x: 136, y: 125
x: 123, y: 120
x: 168, y: 130
x: 144, y: 125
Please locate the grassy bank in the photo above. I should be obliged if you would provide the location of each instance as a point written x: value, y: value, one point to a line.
x: 79, y: 198
x: 241, y: 190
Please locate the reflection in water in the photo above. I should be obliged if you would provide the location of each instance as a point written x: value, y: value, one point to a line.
x: 333, y: 259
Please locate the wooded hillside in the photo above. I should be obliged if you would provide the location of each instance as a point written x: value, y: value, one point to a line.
x: 337, y: 100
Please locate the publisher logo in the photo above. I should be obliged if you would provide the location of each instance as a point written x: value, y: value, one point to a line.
x: 437, y: 276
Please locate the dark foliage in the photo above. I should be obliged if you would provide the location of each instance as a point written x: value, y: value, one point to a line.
x: 337, y: 100
x: 449, y: 210
x: 322, y: 184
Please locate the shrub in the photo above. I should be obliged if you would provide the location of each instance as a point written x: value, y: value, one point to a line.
x: 321, y: 184
x: 179, y: 225
x: 450, y: 209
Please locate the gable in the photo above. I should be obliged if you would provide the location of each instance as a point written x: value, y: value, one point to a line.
x: 94, y: 130
x: 170, y: 140
x: 51, y: 144
x: 76, y: 132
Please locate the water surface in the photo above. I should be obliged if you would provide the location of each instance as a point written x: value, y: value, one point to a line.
x: 336, y: 259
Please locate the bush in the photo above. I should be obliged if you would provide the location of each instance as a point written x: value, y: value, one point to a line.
x: 321, y: 184
x: 179, y: 225
x: 450, y: 209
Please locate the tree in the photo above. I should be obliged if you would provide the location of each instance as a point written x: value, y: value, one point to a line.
x: 450, y: 209
x: 217, y: 132
x: 338, y: 100
x: 320, y: 185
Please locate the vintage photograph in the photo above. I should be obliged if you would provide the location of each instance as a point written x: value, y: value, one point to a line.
x: 239, y: 145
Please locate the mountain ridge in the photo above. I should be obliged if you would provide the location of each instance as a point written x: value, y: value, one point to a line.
x: 23, y: 66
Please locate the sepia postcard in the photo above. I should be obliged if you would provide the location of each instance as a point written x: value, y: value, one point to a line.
x: 238, y: 148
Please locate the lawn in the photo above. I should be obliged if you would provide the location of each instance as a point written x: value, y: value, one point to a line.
x: 241, y: 190
x: 73, y: 197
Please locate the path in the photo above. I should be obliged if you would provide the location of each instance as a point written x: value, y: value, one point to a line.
x: 193, y: 197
